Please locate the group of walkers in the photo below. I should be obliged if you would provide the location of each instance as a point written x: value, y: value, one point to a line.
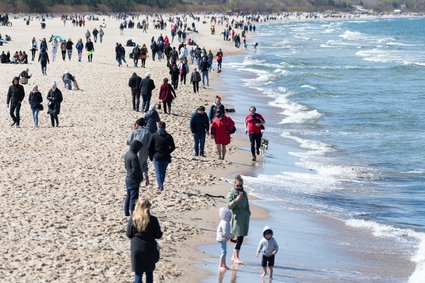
x: 16, y: 95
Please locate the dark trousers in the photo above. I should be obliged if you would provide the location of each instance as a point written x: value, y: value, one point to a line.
x: 255, y: 140
x: 195, y: 87
x: 33, y: 54
x: 136, y: 99
x: 175, y: 82
x: 164, y: 105
x: 199, y: 143
x: 183, y: 78
x: 139, y: 276
x: 14, y: 111
x: 43, y: 67
x: 239, y: 241
x: 63, y: 55
x: 143, y: 62
x: 54, y: 118
x: 132, y: 187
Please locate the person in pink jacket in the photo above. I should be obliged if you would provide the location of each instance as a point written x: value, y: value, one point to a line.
x: 221, y: 128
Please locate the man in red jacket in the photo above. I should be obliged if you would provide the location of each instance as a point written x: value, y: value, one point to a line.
x: 254, y: 123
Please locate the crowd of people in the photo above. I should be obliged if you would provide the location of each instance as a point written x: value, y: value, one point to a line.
x: 150, y: 140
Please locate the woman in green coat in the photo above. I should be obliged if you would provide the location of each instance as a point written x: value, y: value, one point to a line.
x: 237, y: 200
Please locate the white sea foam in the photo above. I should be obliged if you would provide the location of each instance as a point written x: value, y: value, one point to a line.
x: 381, y: 230
x: 308, y: 86
x: 416, y: 171
x: 313, y: 147
x: 353, y: 35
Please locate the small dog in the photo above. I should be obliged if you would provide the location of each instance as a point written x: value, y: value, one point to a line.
x: 264, y: 146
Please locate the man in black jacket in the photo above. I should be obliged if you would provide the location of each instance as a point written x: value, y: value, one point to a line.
x: 160, y: 147
x: 134, y: 176
x: 199, y: 126
x: 134, y: 83
x: 15, y: 95
x: 146, y: 87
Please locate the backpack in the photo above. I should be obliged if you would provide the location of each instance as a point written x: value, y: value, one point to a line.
x: 230, y: 131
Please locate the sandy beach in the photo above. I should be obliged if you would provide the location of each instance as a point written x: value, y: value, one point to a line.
x: 62, y: 189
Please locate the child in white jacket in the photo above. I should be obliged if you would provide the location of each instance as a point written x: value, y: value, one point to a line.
x: 224, y: 234
x: 268, y: 248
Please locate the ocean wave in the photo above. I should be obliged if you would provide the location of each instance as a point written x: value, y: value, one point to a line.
x: 381, y: 230
x: 313, y: 147
x: 416, y: 171
x: 353, y: 35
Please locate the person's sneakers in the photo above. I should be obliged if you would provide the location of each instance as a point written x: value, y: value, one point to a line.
x: 258, y: 151
x: 17, y: 126
x: 203, y: 155
x: 160, y: 190
x: 254, y: 158
x: 13, y: 124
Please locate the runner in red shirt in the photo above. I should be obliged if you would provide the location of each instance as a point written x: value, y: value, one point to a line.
x: 254, y: 123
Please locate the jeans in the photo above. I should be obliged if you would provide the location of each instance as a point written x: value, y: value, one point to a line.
x: 146, y: 102
x: 255, y: 140
x: 132, y: 187
x: 149, y: 277
x: 69, y: 54
x: 35, y: 116
x: 80, y: 55
x: 15, y: 109
x: 199, y: 143
x: 223, y: 247
x: 160, y: 170
x: 205, y: 75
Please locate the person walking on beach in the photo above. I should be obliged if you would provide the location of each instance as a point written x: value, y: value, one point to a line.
x: 79, y: 46
x: 101, y: 34
x: 90, y: 50
x: 69, y: 45
x: 33, y: 48
x: 134, y: 84
x: 55, y: 46
x: 133, y: 177
x: 166, y: 95
x: 43, y: 58
x: 254, y: 123
x: 160, y: 147
x: 224, y: 234
x: 35, y: 100
x: 199, y: 126
x: 151, y: 119
x: 219, y: 59
x: 221, y: 128
x: 205, y: 66
x: 143, y: 55
x: 15, y: 95
x: 146, y: 87
x: 143, y: 228
x: 268, y: 248
x: 142, y: 134
x: 55, y: 98
x: 63, y: 49
x: 237, y: 201
x: 174, y: 72
x: 184, y: 69
x: 195, y: 78
x: 217, y: 105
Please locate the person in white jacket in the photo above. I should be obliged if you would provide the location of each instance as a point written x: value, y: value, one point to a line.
x: 268, y: 247
x: 224, y: 234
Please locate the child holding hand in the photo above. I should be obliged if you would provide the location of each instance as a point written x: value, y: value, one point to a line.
x: 268, y: 247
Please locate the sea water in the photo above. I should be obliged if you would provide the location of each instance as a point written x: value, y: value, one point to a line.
x: 344, y: 103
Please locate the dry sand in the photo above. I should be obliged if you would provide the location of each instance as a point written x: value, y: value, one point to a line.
x: 62, y: 189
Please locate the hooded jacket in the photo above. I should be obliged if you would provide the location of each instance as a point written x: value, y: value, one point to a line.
x: 267, y: 247
x: 16, y: 93
x: 131, y: 161
x: 223, y: 228
x: 134, y: 82
x: 161, y: 145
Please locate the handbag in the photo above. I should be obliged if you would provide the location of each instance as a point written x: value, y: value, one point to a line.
x: 40, y: 107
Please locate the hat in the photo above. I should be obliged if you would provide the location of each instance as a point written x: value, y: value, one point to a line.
x: 267, y: 230
x: 141, y: 121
